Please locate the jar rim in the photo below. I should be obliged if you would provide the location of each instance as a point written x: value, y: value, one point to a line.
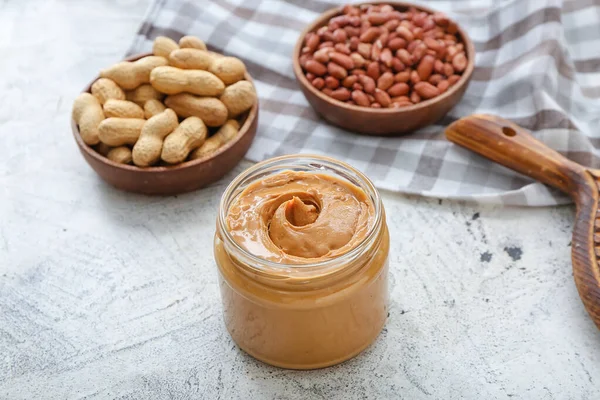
x: 288, y: 162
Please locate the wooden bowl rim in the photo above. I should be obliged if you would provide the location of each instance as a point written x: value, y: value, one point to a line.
x: 321, y: 19
x: 244, y: 129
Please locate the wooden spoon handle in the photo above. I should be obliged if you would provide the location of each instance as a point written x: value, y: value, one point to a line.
x: 512, y: 146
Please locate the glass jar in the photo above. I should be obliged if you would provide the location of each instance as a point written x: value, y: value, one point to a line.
x: 304, y: 316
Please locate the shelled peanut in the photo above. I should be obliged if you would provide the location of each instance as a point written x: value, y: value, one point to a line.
x: 158, y: 108
x: 377, y: 56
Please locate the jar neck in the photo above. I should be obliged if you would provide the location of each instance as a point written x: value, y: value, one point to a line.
x: 310, y: 275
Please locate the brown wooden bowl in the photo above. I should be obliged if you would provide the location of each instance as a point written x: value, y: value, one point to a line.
x: 386, y: 121
x: 180, y: 178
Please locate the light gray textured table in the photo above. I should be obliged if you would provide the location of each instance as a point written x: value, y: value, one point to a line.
x: 105, y: 294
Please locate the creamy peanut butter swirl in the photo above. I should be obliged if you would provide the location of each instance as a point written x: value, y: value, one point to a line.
x: 300, y: 217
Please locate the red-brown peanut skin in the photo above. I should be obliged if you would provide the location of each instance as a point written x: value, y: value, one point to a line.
x: 404, y: 56
x: 426, y: 90
x: 361, y: 112
x: 318, y: 83
x: 331, y: 82
x: 459, y: 62
x: 398, y: 89
x: 368, y: 84
x: 396, y: 44
x: 414, y: 77
x: 448, y: 70
x: 397, y: 65
x: 316, y: 68
x: 425, y: 67
x: 385, y: 81
x: 337, y: 71
x: 370, y: 35
x: 443, y: 86
x: 373, y: 70
x: 386, y: 57
x: 349, y: 81
x: 403, y: 76
x: 342, y: 48
x: 360, y: 98
x: 453, y: 79
x: 435, y: 79
x: 341, y: 94
x: 342, y: 60
x: 322, y: 55
x: 382, y: 98
x: 358, y: 60
x: 415, y: 98
x: 438, y: 66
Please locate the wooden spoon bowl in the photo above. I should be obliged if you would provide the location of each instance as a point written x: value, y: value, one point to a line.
x: 385, y: 121
x: 169, y: 180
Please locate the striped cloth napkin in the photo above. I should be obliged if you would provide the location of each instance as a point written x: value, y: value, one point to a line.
x: 537, y: 63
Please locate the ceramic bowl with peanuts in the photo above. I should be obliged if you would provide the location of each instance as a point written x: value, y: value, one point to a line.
x: 383, y: 68
x: 167, y: 122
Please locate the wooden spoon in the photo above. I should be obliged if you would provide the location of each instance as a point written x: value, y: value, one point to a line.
x: 512, y: 146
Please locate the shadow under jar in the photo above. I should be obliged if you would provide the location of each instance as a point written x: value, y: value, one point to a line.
x: 289, y: 310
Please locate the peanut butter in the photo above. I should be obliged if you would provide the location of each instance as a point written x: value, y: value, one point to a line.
x: 303, y: 262
x: 300, y: 217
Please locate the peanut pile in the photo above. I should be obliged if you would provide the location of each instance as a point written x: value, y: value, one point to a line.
x: 376, y: 56
x: 162, y: 108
